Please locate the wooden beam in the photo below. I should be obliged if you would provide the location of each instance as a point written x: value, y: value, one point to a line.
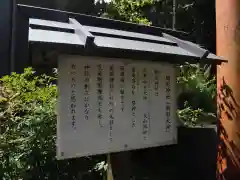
x: 6, y: 11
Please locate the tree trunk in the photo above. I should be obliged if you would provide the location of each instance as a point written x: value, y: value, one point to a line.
x: 228, y: 41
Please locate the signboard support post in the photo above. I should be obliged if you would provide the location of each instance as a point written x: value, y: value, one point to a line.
x: 109, y: 169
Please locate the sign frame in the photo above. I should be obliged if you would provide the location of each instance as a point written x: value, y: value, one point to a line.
x: 61, y: 153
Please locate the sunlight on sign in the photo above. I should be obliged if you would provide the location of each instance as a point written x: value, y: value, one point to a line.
x: 106, y: 105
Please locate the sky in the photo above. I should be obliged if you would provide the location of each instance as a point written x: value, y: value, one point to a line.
x: 107, y: 1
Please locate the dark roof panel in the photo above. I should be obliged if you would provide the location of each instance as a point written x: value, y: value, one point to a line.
x: 89, y: 38
x: 44, y: 36
x: 56, y: 24
x: 87, y: 20
x: 118, y: 43
x: 128, y: 34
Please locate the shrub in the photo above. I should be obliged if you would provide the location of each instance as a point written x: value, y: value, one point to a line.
x: 28, y: 132
x: 197, y: 101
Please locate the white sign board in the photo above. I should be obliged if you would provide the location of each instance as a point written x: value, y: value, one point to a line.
x: 110, y: 105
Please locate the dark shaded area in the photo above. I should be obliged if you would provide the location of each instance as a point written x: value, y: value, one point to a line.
x: 193, y: 158
x: 197, y: 17
x: 156, y: 163
x: 197, y: 153
x: 78, y: 6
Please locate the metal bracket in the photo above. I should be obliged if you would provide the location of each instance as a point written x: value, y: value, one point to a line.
x: 193, y: 48
x: 83, y: 34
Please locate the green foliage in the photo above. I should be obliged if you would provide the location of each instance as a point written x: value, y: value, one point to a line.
x: 128, y: 10
x: 196, y: 102
x: 28, y: 131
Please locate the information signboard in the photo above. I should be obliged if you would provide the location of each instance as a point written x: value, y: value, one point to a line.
x: 110, y: 105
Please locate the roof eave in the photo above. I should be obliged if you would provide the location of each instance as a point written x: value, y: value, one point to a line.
x: 121, y: 53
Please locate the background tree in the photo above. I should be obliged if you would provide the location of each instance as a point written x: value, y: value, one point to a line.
x: 197, y: 17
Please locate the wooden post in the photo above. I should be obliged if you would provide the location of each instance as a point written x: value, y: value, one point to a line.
x: 109, y: 169
x: 228, y: 41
